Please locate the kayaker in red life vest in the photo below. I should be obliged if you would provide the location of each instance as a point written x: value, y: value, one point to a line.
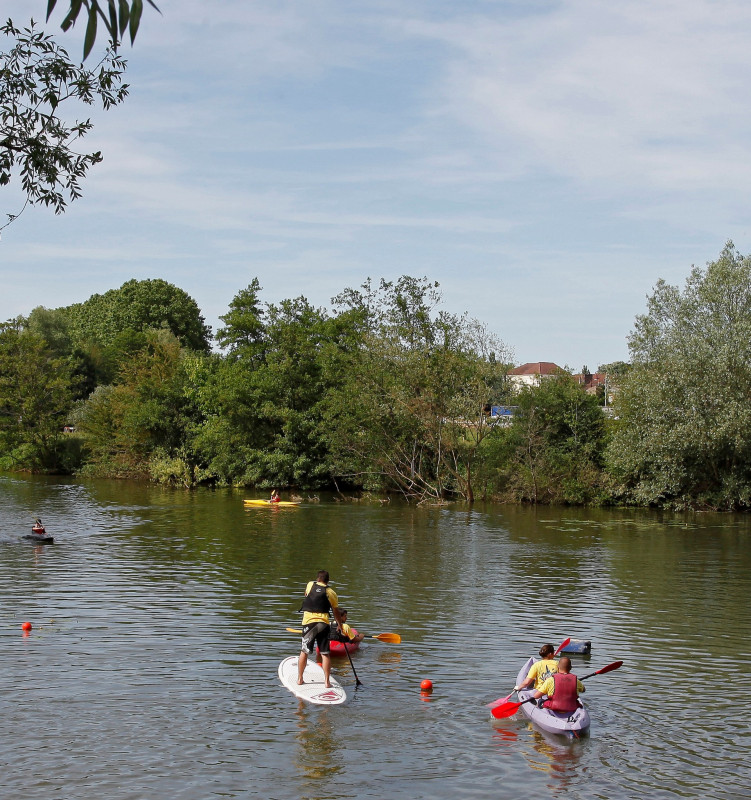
x: 275, y: 497
x: 541, y: 670
x: 563, y: 689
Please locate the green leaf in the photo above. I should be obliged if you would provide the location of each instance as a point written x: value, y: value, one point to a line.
x: 136, y: 9
x: 50, y: 8
x: 112, y: 27
x: 124, y: 16
x: 72, y: 16
x: 90, y: 32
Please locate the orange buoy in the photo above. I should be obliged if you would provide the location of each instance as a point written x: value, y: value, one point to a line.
x: 26, y: 626
x: 426, y: 685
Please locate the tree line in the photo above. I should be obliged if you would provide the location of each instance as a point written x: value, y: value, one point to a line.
x: 382, y: 392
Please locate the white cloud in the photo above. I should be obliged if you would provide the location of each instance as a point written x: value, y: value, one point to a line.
x: 545, y: 161
x: 639, y: 92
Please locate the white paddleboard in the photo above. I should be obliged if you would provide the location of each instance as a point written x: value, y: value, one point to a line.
x: 313, y: 690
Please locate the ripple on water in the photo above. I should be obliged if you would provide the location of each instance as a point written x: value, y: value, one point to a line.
x: 159, y: 621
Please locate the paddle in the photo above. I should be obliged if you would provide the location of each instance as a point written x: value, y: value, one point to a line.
x: 392, y: 638
x: 503, y: 700
x: 358, y: 682
x: 509, y: 709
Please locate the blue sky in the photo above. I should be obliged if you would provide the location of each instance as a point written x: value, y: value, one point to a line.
x: 546, y: 162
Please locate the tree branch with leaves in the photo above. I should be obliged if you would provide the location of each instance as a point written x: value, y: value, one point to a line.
x: 117, y: 16
x: 36, y: 142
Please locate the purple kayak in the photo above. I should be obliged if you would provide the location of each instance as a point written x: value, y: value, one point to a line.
x: 572, y: 724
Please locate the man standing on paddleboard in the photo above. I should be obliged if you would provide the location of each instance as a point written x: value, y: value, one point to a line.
x: 320, y: 598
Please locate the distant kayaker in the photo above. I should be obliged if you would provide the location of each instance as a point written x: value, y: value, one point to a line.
x: 346, y: 634
x: 562, y: 688
x: 320, y: 598
x: 275, y: 497
x: 541, y: 670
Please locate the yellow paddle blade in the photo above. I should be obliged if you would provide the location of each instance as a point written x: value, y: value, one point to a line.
x: 391, y: 638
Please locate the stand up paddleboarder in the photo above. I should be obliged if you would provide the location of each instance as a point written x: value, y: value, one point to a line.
x: 320, y: 598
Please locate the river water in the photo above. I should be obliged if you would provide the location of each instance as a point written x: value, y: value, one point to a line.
x: 159, y: 621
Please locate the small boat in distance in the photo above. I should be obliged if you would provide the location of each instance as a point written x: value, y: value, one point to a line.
x: 38, y: 533
x: 283, y: 503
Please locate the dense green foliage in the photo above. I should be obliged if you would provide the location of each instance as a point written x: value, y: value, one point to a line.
x: 684, y: 434
x: 556, y: 445
x: 408, y: 411
x: 36, y: 390
x: 384, y: 392
x: 113, y: 318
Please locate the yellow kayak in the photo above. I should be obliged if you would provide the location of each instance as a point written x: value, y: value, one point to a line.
x: 269, y: 503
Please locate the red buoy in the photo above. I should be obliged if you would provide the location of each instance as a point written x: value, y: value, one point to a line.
x: 426, y: 685
x: 26, y: 626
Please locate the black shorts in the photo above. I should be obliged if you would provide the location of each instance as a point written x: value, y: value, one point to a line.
x: 316, y: 634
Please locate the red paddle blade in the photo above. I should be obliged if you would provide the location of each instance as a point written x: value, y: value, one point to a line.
x: 562, y: 645
x: 506, y: 710
x: 603, y: 670
x: 609, y: 668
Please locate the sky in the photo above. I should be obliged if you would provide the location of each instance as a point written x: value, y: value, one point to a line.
x: 546, y: 162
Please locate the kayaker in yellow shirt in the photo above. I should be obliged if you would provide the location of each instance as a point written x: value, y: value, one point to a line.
x: 562, y: 688
x: 346, y: 631
x: 541, y: 670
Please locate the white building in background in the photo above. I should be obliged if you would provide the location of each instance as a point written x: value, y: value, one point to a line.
x: 531, y: 374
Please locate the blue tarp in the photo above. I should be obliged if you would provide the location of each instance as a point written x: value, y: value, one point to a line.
x: 502, y: 411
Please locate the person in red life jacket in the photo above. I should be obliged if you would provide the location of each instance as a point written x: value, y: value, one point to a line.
x: 275, y: 498
x: 346, y: 634
x: 320, y: 599
x: 563, y: 689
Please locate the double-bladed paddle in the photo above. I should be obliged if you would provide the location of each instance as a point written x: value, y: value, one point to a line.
x: 509, y: 709
x: 391, y: 638
x: 503, y: 700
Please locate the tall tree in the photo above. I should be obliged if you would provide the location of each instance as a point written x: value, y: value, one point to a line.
x: 409, y: 413
x: 244, y: 325
x: 150, y: 415
x: 137, y: 306
x: 684, y: 430
x: 270, y: 393
x: 35, y: 399
x: 555, y: 446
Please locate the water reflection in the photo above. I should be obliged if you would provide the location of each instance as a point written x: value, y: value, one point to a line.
x: 172, y: 608
x: 558, y: 758
x: 389, y: 659
x: 317, y: 754
x: 505, y: 734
